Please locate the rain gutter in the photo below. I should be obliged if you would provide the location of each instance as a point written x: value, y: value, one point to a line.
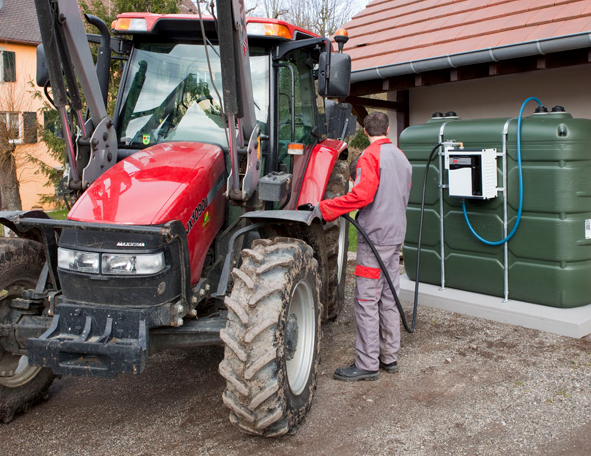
x: 495, y: 54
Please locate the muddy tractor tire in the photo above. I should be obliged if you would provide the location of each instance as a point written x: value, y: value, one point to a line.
x: 272, y: 337
x: 21, y: 384
x: 337, y: 241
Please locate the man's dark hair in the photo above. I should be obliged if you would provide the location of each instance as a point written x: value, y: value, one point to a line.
x: 376, y: 124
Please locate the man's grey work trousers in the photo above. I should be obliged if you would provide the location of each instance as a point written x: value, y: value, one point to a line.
x: 378, y: 319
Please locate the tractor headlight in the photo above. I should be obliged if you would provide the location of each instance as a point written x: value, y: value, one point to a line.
x: 143, y: 264
x: 111, y: 263
x: 75, y: 260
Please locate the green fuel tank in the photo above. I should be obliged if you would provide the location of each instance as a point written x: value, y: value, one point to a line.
x: 549, y: 257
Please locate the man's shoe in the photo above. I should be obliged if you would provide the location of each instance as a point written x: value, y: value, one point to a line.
x: 353, y: 373
x: 391, y: 367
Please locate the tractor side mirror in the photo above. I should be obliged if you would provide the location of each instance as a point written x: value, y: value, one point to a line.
x: 42, y: 75
x: 334, y: 75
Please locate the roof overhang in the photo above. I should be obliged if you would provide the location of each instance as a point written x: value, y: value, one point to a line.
x: 496, y: 54
x: 25, y: 42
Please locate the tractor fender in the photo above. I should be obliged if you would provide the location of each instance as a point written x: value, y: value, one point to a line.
x: 11, y: 219
x: 322, y: 160
x: 281, y: 216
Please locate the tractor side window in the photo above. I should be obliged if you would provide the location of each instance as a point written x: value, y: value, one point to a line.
x: 297, y: 103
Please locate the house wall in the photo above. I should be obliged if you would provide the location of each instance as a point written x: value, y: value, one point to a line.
x: 502, y: 96
x: 19, y: 94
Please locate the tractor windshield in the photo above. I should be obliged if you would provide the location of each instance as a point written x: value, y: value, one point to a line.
x: 169, y: 95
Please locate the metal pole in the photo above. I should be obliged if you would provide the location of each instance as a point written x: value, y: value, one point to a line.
x: 505, y: 221
x: 441, y: 228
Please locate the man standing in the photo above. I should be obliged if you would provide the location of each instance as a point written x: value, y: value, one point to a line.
x: 380, y: 193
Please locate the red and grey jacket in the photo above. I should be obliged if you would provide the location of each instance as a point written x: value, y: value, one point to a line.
x: 380, y: 193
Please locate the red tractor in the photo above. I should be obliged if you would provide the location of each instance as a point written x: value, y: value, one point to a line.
x: 185, y: 231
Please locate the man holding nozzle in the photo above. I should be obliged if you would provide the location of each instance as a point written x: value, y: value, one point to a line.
x: 381, y: 188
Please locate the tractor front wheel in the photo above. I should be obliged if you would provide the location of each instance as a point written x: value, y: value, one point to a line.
x: 272, y: 337
x: 21, y: 384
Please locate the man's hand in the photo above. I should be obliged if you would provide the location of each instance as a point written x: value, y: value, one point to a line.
x: 317, y: 212
x: 314, y: 209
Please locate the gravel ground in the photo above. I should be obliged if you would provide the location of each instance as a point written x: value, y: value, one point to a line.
x: 466, y: 387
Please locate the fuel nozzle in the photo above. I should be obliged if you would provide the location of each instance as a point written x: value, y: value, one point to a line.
x: 453, y: 144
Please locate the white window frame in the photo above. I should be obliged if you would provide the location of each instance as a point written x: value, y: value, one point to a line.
x: 2, y: 65
x: 7, y: 116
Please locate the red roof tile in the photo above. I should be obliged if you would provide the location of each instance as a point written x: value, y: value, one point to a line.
x: 388, y: 32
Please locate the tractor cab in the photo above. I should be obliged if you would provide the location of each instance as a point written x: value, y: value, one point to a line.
x: 172, y: 88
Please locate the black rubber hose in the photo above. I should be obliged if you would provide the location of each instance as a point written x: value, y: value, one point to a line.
x: 431, y: 155
x: 410, y: 328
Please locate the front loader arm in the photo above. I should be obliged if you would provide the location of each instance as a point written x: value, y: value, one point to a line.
x: 70, y: 63
x: 238, y: 98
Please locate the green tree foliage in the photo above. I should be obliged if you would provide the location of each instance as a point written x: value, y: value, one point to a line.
x: 149, y: 6
x: 359, y: 141
x: 50, y: 134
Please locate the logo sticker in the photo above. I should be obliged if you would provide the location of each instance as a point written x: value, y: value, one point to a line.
x: 130, y: 244
x: 196, y: 215
x: 146, y: 139
x: 205, y: 219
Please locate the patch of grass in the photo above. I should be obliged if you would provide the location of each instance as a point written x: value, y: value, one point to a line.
x: 352, y: 239
x: 352, y: 234
x: 59, y: 215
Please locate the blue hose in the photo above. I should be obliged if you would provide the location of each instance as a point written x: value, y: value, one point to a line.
x: 510, y: 235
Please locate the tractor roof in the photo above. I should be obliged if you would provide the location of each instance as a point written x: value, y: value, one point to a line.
x: 149, y: 23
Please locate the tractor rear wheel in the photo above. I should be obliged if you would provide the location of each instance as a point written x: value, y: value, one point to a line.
x: 272, y: 337
x: 336, y: 235
x: 21, y: 384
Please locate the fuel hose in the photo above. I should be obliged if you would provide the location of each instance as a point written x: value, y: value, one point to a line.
x: 409, y: 328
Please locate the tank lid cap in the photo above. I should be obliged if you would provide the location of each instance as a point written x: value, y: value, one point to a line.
x: 450, y: 114
x: 541, y: 109
x: 558, y: 109
x: 437, y: 114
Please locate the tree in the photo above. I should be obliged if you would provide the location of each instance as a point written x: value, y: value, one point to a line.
x: 10, y: 197
x: 17, y: 124
x: 323, y: 17
x: 274, y: 9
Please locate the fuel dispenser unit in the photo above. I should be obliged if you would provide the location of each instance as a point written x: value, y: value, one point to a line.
x: 471, y: 173
x: 506, y: 205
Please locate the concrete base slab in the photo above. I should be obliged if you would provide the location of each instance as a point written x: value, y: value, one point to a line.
x: 575, y: 322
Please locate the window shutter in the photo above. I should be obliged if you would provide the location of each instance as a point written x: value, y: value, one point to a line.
x: 8, y: 66
x: 30, y: 127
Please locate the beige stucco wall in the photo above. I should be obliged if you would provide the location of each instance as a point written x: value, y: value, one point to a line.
x: 19, y: 95
x: 502, y: 96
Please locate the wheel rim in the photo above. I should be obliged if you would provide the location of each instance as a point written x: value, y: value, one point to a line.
x: 15, y: 370
x: 342, y: 252
x: 300, y: 337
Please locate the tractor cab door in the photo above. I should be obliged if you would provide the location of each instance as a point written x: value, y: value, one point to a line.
x: 296, y: 108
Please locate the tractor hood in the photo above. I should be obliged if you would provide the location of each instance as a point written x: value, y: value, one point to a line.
x: 153, y: 186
